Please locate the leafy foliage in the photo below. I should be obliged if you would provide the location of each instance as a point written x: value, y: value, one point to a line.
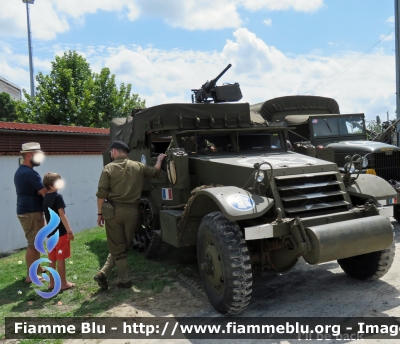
x: 7, y: 108
x: 374, y: 128
x: 73, y: 95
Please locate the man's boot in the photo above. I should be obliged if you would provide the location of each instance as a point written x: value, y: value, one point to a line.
x: 123, y: 272
x: 101, y: 276
x: 101, y: 280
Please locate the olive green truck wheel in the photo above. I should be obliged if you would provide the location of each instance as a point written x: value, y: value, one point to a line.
x: 224, y: 264
x: 370, y: 266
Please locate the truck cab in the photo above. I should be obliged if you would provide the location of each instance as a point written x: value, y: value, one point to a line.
x: 333, y: 135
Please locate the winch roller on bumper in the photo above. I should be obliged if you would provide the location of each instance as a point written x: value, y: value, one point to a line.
x: 347, y: 239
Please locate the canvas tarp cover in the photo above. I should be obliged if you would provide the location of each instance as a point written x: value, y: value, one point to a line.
x: 278, y: 108
x: 127, y: 131
x: 255, y: 115
x: 189, y: 116
x: 295, y: 120
x: 116, y: 128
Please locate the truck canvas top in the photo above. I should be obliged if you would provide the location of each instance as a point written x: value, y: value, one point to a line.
x: 179, y: 117
x: 278, y: 108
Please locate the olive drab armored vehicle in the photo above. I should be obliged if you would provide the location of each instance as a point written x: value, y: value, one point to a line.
x: 334, y: 137
x: 231, y: 188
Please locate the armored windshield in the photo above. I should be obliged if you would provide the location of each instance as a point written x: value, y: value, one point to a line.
x: 232, y: 142
x: 260, y: 142
x: 338, y: 126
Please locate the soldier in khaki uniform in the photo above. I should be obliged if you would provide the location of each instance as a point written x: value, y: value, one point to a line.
x: 121, y: 183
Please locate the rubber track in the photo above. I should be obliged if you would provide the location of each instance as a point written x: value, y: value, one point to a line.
x: 385, y: 262
x: 156, y: 246
x: 194, y: 287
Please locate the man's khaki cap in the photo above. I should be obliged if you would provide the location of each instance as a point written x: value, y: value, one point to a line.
x: 31, y: 147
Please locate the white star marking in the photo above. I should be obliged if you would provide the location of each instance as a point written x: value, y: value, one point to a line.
x: 59, y: 251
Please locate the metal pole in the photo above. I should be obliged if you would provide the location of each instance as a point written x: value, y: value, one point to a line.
x: 397, y: 40
x: 30, y: 52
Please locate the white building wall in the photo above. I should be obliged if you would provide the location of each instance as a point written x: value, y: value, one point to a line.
x: 80, y: 173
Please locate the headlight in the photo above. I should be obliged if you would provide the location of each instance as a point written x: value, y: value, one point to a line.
x: 365, y: 162
x: 350, y: 168
x: 260, y: 176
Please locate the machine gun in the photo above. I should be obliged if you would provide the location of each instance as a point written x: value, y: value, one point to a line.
x: 218, y: 94
x: 388, y: 134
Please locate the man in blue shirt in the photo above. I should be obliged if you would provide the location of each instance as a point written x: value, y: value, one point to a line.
x: 30, y: 193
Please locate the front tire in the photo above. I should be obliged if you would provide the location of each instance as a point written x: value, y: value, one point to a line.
x: 370, y: 266
x: 224, y: 264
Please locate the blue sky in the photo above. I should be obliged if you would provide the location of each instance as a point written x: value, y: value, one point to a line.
x: 166, y: 47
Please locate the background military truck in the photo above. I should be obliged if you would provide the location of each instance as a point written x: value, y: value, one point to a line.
x: 251, y: 205
x: 318, y: 120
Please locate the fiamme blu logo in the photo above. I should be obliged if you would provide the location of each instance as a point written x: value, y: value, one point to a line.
x: 40, y: 240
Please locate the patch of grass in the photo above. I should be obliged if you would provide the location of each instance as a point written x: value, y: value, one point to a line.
x: 88, y: 253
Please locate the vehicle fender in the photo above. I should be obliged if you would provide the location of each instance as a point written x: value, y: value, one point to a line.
x: 235, y: 203
x: 367, y: 185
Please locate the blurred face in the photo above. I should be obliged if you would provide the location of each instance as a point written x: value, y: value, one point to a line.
x: 36, y: 158
x: 59, y: 184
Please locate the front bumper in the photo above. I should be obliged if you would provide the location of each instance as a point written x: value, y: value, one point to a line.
x: 335, y: 236
x: 385, y: 209
x: 276, y: 230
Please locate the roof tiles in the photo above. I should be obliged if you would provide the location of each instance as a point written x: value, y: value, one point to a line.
x: 51, y: 128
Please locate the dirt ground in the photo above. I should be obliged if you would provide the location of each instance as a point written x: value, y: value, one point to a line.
x: 320, y: 291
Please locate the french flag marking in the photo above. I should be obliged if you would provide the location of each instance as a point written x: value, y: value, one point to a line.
x: 167, y: 194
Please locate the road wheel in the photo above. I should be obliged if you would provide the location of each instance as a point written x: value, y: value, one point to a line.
x: 224, y: 264
x: 147, y: 239
x: 396, y: 212
x: 370, y: 266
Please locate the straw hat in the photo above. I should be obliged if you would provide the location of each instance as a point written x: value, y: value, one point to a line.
x: 31, y: 147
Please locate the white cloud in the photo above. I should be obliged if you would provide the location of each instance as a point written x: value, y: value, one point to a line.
x: 194, y: 14
x: 263, y: 71
x: 45, y: 20
x: 15, y: 67
x: 77, y: 9
x: 52, y: 17
x: 279, y: 5
x: 388, y: 37
x: 49, y: 18
x: 267, y: 21
x: 390, y: 20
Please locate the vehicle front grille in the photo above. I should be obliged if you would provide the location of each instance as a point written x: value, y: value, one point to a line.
x: 312, y: 194
x: 387, y: 166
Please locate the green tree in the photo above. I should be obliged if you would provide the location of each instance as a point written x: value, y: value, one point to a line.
x: 111, y: 101
x: 373, y: 129
x: 73, y: 95
x: 7, y: 108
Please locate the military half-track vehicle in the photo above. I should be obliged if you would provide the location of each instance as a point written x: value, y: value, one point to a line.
x: 334, y: 136
x: 248, y: 204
